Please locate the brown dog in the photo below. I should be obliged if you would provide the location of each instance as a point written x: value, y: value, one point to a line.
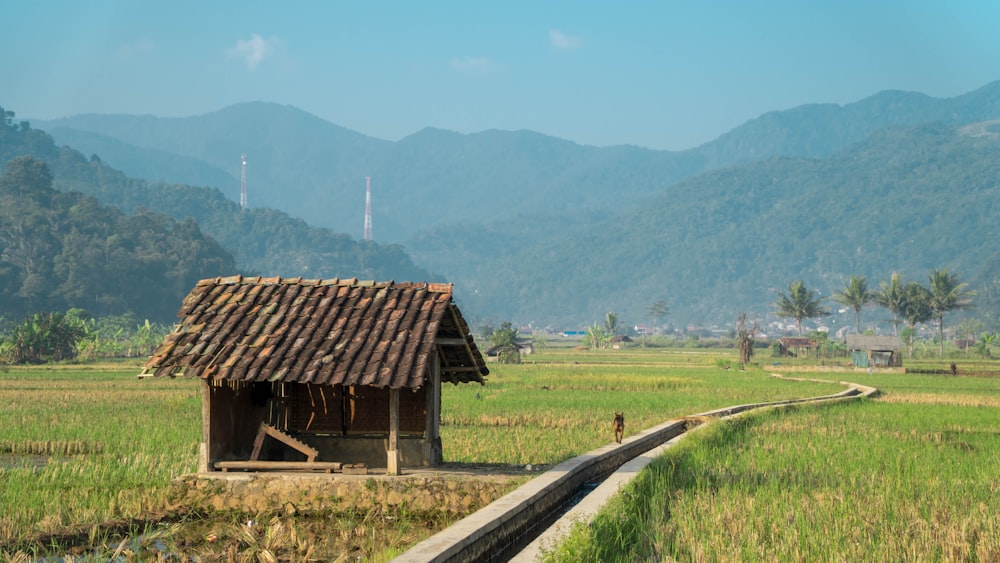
x: 619, y: 426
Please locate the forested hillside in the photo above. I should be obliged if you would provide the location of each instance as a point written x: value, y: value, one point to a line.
x: 819, y: 130
x: 263, y: 241
x: 153, y: 166
x: 62, y: 250
x: 542, y: 230
x: 315, y: 170
x: 903, y: 200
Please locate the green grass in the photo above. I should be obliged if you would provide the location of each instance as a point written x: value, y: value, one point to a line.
x: 100, y: 444
x: 543, y: 413
x: 909, y: 476
x: 82, y: 445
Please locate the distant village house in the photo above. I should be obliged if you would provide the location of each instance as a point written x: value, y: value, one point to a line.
x: 874, y: 350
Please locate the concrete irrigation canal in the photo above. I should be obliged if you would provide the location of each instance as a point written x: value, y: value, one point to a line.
x: 540, y: 513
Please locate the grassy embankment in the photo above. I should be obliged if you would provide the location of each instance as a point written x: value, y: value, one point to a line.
x: 909, y: 476
x: 81, y: 446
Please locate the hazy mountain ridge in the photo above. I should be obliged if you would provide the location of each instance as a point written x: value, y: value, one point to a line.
x: 278, y: 170
x: 262, y: 240
x: 537, y: 228
x: 150, y: 164
x: 313, y: 169
x: 907, y: 200
x: 817, y: 130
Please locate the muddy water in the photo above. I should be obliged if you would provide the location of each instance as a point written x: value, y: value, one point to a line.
x: 8, y: 461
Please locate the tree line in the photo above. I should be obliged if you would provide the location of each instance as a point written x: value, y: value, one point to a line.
x: 907, y: 301
x: 75, y: 335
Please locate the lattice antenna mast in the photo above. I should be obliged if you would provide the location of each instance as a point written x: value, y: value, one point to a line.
x: 368, y: 208
x: 243, y: 183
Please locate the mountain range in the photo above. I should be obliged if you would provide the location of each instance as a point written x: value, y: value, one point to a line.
x: 61, y: 248
x: 543, y: 230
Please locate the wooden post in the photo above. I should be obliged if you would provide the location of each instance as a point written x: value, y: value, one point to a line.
x: 432, y: 430
x: 205, y: 448
x: 392, y: 464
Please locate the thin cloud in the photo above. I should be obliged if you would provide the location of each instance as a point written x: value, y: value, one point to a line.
x: 564, y: 41
x: 474, y: 65
x: 252, y: 50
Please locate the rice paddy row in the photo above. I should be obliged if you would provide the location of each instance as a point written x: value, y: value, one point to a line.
x: 909, y: 476
x: 89, y: 446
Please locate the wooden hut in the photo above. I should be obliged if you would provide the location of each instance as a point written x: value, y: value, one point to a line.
x: 874, y: 350
x: 793, y: 345
x: 319, y: 374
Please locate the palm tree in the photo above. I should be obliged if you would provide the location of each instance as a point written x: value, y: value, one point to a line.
x: 890, y: 295
x: 855, y: 295
x: 611, y: 324
x: 915, y: 308
x: 800, y: 303
x: 947, y: 294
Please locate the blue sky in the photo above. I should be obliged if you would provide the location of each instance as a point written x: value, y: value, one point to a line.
x: 660, y: 74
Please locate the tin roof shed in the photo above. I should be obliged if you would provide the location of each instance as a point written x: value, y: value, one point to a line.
x: 874, y: 350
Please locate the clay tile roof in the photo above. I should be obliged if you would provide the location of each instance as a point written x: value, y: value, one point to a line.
x: 331, y: 332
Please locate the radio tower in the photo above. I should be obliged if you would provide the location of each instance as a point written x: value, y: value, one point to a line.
x: 368, y: 208
x: 243, y: 183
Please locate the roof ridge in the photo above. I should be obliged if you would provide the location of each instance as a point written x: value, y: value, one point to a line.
x: 343, y: 282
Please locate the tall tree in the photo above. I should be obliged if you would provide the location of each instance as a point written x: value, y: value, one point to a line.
x: 658, y: 311
x: 28, y: 181
x: 612, y: 324
x: 800, y: 303
x: 504, y: 339
x: 947, y: 294
x: 915, y: 308
x: 28, y: 227
x: 891, y: 295
x: 855, y: 295
x: 744, y: 338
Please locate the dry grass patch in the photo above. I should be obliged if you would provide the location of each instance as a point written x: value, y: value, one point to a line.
x: 958, y: 400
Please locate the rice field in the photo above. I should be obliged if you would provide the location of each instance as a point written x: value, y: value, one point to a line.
x: 547, y: 411
x: 910, y: 476
x: 81, y: 446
